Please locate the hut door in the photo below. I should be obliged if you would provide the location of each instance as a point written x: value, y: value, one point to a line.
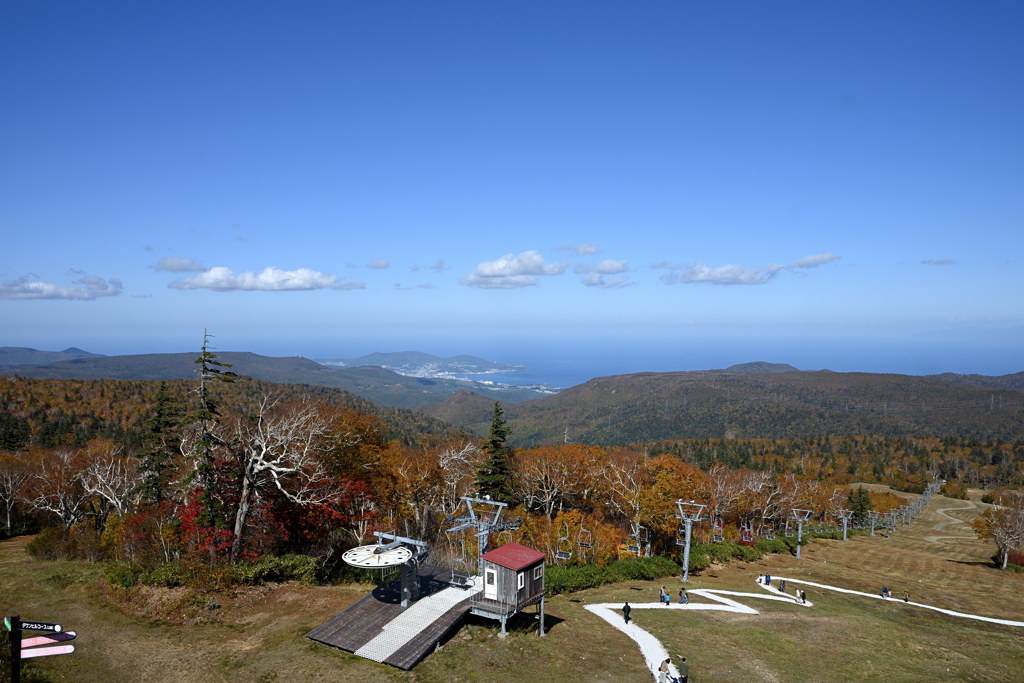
x: 490, y: 584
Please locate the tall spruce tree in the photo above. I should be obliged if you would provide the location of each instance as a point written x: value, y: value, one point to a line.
x: 860, y: 502
x: 492, y: 479
x: 205, y: 418
x: 160, y: 442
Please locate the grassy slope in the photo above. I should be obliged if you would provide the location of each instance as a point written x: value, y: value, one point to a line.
x: 841, y: 638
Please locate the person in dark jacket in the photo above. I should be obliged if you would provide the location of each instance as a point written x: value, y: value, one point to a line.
x: 625, y: 611
x: 684, y: 671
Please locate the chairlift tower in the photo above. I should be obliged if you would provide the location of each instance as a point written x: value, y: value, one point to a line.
x: 484, y: 518
x: 874, y: 515
x: 847, y: 516
x: 800, y: 516
x: 689, y: 513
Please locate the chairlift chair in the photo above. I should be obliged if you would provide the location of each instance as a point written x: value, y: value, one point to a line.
x: 681, y: 535
x: 769, y: 532
x: 585, y: 539
x: 505, y: 536
x: 564, y: 550
x: 718, y: 533
x: 634, y: 540
x: 789, y: 531
x: 460, y: 569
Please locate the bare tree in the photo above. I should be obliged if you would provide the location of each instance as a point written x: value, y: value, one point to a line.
x: 625, y: 477
x: 13, y: 477
x: 1003, y: 523
x: 279, y: 451
x: 57, y: 486
x: 543, y: 476
x: 761, y: 496
x: 458, y: 461
x: 113, y: 477
x: 721, y: 490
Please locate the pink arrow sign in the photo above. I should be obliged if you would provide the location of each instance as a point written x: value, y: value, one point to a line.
x: 47, y: 651
x: 48, y: 640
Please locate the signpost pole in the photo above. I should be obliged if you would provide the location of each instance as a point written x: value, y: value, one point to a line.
x: 15, y: 648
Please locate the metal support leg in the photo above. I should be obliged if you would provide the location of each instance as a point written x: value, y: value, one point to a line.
x: 504, y: 633
x: 410, y: 584
x: 686, y: 552
x: 542, y: 616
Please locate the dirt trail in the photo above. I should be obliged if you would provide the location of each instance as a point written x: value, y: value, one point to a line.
x: 952, y: 520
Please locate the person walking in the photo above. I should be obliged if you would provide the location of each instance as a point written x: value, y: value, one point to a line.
x: 768, y: 579
x: 625, y: 611
x: 803, y: 597
x: 782, y: 586
x: 663, y: 672
x: 906, y: 596
x: 682, y: 594
x: 661, y: 597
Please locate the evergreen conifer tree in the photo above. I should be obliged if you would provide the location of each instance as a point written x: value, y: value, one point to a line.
x: 860, y: 502
x: 492, y: 479
x: 160, y: 442
x: 206, y: 417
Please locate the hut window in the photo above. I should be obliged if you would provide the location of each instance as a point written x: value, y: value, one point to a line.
x: 522, y: 579
x: 537, y: 571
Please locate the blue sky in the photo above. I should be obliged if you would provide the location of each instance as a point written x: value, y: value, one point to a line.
x: 684, y: 185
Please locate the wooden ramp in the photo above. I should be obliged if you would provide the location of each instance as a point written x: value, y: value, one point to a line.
x: 377, y: 627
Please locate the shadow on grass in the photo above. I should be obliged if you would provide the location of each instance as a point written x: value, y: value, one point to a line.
x: 977, y: 563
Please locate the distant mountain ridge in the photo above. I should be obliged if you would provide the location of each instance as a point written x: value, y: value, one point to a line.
x: 761, y: 366
x: 1014, y: 382
x: 375, y: 384
x: 649, y: 406
x: 18, y: 355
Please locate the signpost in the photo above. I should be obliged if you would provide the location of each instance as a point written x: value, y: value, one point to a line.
x: 19, y: 647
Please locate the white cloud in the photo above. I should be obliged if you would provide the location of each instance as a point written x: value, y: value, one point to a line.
x: 586, y: 249
x: 813, y: 261
x: 379, y: 264
x: 25, y: 288
x: 271, y: 279
x: 179, y: 264
x: 595, y: 274
x: 414, y: 269
x: 606, y: 267
x: 597, y: 280
x: 511, y: 272
x: 737, y: 275
x: 937, y: 262
x: 426, y: 286
x: 439, y: 266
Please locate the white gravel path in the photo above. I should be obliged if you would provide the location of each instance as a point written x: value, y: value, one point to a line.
x: 654, y: 653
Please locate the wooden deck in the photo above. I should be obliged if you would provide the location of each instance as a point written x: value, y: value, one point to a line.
x: 365, y: 619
